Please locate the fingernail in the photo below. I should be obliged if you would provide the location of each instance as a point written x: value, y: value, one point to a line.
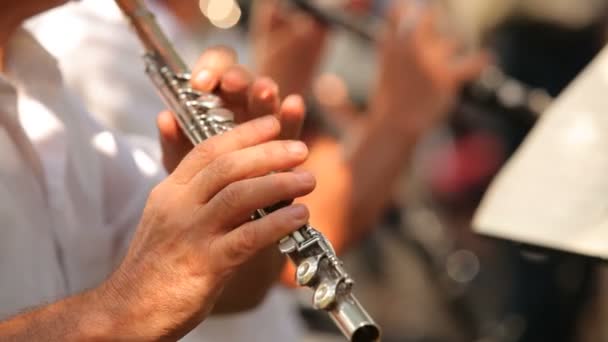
x: 296, y: 147
x: 298, y: 211
x: 265, y: 95
x: 272, y: 90
x: 204, y: 79
x: 304, y: 177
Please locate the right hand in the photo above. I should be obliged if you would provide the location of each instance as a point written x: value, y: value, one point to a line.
x: 196, y: 230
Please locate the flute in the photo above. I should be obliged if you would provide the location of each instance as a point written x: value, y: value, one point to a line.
x: 494, y: 85
x: 201, y: 116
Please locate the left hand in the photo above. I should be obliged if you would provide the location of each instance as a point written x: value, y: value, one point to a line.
x: 247, y: 97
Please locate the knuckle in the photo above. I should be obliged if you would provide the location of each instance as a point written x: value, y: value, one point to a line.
x: 158, y: 193
x: 159, y: 204
x: 248, y: 239
x: 226, y: 52
x: 236, y: 255
x: 231, y: 196
x: 221, y: 166
x: 205, y: 150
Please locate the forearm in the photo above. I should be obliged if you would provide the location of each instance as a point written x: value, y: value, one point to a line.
x: 106, y: 313
x: 377, y: 159
x: 78, y: 318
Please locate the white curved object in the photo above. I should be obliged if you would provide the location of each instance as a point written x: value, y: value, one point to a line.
x: 554, y: 191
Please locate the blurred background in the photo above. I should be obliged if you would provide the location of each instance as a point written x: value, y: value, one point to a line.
x: 420, y: 271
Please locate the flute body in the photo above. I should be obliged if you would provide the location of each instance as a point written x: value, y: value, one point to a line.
x: 202, y: 116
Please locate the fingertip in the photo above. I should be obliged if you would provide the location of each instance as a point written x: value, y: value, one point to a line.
x: 292, y: 115
x: 205, y: 80
x: 293, y: 105
x: 167, y: 125
x: 212, y: 63
x: 306, y: 178
x: 236, y: 79
x: 264, y: 88
x: 473, y: 67
x: 264, y: 97
x: 299, y: 212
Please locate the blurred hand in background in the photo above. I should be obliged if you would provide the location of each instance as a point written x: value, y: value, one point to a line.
x: 422, y: 70
x: 287, y: 45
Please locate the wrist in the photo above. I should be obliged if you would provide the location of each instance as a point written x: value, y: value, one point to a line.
x: 404, y: 125
x: 389, y: 136
x: 124, y: 310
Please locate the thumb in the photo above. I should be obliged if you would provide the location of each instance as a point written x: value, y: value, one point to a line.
x: 174, y: 143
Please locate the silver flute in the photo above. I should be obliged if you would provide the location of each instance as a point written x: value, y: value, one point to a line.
x: 201, y: 116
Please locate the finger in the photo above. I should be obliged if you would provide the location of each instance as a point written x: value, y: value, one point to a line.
x: 291, y: 116
x: 471, y: 67
x: 234, y: 89
x: 428, y: 20
x: 450, y: 48
x: 304, y: 26
x: 395, y: 14
x: 251, y: 162
x: 174, y: 143
x: 239, y: 245
x: 237, y: 201
x: 266, y: 16
x: 277, y: 17
x: 263, y: 98
x: 403, y: 18
x: 248, y: 134
x: 210, y: 67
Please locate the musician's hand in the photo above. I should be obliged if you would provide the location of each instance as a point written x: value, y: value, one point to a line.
x: 196, y: 230
x: 217, y: 71
x: 287, y: 45
x: 248, y: 98
x: 422, y: 71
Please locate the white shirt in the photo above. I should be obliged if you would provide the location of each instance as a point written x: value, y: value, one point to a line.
x: 93, y: 35
x: 72, y: 192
